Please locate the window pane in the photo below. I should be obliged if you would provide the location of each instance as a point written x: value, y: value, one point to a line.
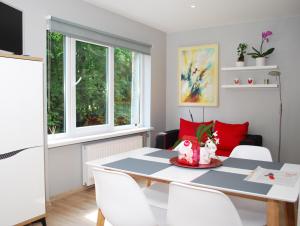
x: 123, y: 83
x: 91, y: 91
x: 55, y: 85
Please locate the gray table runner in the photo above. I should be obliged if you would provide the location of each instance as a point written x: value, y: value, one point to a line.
x: 251, y: 164
x: 232, y: 181
x: 138, y: 165
x: 163, y: 154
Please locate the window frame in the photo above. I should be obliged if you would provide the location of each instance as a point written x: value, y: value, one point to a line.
x: 71, y: 131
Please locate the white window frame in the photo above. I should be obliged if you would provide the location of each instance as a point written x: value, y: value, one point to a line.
x: 71, y: 131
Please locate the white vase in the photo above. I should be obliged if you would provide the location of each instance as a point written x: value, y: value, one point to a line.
x: 240, y: 63
x: 260, y: 61
x: 204, y: 156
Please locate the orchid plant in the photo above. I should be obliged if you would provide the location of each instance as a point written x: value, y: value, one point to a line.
x: 207, y: 129
x: 259, y: 53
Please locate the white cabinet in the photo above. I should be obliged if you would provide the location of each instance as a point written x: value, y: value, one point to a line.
x: 22, y: 174
x: 22, y: 187
x: 21, y: 101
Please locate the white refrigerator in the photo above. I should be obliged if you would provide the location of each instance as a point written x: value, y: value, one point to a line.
x: 22, y: 177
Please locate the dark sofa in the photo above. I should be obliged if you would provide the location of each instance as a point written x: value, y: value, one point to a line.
x: 167, y: 139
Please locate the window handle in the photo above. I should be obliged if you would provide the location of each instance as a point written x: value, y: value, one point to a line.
x: 78, y: 81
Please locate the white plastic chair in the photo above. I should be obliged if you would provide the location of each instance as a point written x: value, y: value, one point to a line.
x: 251, y: 208
x: 251, y: 152
x: 122, y: 202
x: 194, y: 206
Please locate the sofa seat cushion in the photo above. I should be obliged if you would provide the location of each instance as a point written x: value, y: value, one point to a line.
x: 230, y: 135
x: 189, y: 129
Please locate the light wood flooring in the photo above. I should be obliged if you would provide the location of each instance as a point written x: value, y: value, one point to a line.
x: 78, y: 209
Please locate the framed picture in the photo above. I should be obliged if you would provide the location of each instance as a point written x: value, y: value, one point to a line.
x: 198, y: 75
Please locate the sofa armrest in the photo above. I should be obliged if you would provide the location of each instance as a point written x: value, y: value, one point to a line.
x: 167, y: 139
x: 252, y: 140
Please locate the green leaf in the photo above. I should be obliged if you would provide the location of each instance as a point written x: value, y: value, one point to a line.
x: 253, y: 55
x: 176, y: 143
x: 268, y: 52
x: 202, y: 129
x: 255, y: 50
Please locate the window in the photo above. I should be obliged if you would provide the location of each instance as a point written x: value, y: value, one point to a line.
x: 92, y: 88
x: 91, y: 91
x: 56, y: 98
x: 126, y: 87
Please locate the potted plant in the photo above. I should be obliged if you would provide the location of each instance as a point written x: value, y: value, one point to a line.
x: 241, y: 50
x: 260, y: 55
x: 208, y: 149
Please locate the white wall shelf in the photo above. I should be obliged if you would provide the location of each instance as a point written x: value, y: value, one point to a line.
x: 250, y: 68
x: 251, y: 86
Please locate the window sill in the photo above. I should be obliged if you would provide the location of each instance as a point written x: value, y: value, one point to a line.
x: 69, y: 141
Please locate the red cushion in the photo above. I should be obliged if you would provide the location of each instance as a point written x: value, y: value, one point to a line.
x: 221, y: 152
x: 188, y: 128
x: 230, y: 135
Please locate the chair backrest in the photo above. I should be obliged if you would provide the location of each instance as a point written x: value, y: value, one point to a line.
x: 251, y: 152
x: 121, y: 200
x: 194, y: 206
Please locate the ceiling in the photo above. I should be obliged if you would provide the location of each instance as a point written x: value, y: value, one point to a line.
x: 177, y: 15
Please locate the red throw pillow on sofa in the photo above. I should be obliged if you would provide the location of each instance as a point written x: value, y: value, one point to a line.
x: 230, y: 135
x: 188, y: 128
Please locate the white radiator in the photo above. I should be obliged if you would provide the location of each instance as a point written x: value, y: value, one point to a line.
x: 93, y: 151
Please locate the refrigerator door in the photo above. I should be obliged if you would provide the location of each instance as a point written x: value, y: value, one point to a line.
x: 21, y: 101
x: 22, y: 186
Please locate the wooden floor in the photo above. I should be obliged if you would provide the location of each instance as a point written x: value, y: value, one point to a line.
x: 75, y: 210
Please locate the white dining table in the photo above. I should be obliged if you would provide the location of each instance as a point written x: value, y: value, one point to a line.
x: 153, y: 164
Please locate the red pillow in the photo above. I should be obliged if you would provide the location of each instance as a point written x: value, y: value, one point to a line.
x: 188, y: 128
x: 230, y: 135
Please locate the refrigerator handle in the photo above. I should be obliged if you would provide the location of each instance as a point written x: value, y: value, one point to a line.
x: 12, y: 153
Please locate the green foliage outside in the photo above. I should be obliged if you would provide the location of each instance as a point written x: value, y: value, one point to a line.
x: 91, y: 91
x: 55, y: 83
x: 123, y: 83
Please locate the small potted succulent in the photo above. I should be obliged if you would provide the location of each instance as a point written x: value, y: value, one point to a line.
x: 259, y: 55
x: 241, y: 51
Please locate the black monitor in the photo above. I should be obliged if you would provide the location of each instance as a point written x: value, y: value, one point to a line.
x: 11, y: 29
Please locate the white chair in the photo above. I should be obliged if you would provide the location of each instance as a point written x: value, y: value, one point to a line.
x: 194, y: 206
x: 122, y: 202
x: 251, y: 208
x: 251, y: 152
x: 157, y: 194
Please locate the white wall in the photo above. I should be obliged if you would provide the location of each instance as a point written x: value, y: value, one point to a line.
x: 66, y: 176
x: 258, y: 106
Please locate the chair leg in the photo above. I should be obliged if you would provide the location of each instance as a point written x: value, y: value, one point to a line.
x: 101, y: 219
x: 273, y: 213
x: 148, y: 183
x: 290, y: 216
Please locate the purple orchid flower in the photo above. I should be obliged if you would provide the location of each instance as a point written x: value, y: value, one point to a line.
x: 266, y: 34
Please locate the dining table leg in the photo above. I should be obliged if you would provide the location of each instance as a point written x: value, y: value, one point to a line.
x: 273, y: 208
x: 289, y: 212
x: 101, y: 218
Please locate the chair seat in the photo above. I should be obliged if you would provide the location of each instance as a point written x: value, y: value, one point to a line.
x: 157, y: 195
x: 252, y: 212
x: 160, y: 216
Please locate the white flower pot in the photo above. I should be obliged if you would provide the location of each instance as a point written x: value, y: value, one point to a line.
x: 204, y: 156
x: 260, y: 61
x: 240, y: 63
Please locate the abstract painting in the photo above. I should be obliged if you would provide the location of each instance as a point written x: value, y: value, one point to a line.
x: 198, y: 72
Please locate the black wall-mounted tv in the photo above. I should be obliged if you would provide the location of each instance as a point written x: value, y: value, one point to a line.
x: 11, y: 29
